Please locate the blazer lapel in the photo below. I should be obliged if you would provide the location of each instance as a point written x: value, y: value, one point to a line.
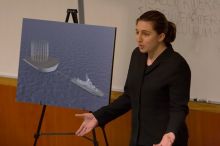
x: 151, y: 68
x: 141, y: 65
x: 162, y: 57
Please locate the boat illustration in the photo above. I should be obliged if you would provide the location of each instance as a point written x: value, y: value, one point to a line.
x: 48, y: 66
x: 40, y: 59
x: 88, y: 86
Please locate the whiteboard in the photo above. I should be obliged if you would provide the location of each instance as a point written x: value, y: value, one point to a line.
x: 198, y: 37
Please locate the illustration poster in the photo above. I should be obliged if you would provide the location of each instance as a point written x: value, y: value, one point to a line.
x: 65, y: 64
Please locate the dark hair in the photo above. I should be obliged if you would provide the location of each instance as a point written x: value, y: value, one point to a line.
x: 160, y: 24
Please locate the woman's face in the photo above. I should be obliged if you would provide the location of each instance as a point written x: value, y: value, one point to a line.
x: 147, y: 38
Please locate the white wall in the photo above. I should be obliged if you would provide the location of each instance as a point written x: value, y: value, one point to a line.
x: 120, y: 14
x: 11, y: 14
x: 198, y: 33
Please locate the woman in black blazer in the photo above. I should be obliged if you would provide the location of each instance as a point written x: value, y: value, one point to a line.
x: 157, y: 88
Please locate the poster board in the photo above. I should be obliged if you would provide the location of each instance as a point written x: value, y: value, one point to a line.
x: 63, y: 64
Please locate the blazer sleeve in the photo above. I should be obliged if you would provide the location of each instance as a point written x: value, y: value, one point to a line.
x: 108, y: 113
x: 179, y: 91
x: 117, y: 108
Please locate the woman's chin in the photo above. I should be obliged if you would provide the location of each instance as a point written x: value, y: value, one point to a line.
x: 142, y: 50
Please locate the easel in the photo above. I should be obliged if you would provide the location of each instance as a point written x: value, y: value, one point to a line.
x: 73, y: 13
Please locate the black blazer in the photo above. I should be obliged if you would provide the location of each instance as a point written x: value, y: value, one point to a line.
x: 158, y: 96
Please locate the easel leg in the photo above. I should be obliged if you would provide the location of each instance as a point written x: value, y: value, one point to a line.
x: 104, y: 133
x: 36, y: 135
x: 95, y: 142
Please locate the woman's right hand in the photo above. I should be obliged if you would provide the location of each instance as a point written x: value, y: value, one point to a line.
x: 89, y: 123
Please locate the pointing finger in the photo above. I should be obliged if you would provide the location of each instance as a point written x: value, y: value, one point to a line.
x: 80, y: 129
x: 80, y: 115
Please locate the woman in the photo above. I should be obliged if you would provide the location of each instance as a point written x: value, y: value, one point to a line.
x: 157, y: 88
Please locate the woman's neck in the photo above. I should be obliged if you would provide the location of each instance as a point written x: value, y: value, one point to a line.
x: 152, y: 55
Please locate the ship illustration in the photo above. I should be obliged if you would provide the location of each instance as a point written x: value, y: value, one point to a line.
x: 88, y: 86
x: 48, y: 66
x: 40, y: 59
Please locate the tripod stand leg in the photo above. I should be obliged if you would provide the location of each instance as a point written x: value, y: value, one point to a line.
x: 105, y: 137
x: 36, y: 135
x: 95, y: 142
x: 67, y: 17
x: 73, y: 12
x: 74, y: 16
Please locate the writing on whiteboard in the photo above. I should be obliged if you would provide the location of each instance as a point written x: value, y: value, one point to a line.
x: 196, y: 18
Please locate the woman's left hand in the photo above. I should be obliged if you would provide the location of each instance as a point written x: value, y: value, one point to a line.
x: 167, y: 140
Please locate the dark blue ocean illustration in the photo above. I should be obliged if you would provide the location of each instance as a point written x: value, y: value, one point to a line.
x: 65, y: 64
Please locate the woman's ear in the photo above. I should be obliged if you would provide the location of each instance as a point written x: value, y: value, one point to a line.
x: 161, y: 37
